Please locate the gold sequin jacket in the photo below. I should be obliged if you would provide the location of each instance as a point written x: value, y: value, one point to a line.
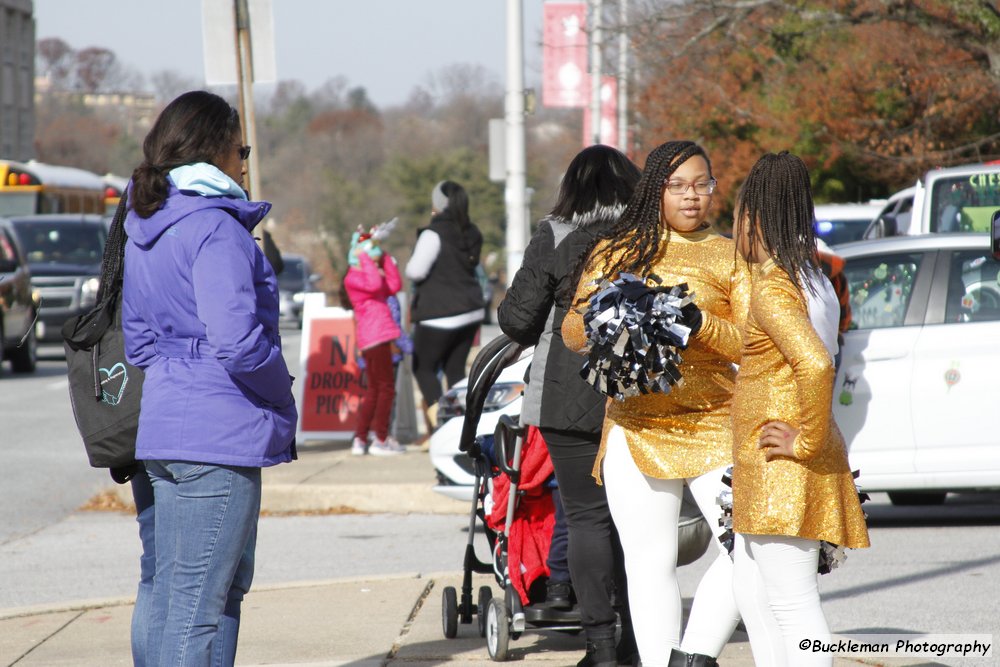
x: 687, y: 432
x: 786, y: 374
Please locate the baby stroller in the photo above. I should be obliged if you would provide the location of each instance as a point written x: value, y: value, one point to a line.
x: 504, y: 618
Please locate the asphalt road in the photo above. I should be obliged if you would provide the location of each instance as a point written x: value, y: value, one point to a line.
x: 930, y: 569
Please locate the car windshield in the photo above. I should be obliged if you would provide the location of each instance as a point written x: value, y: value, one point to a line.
x: 964, y: 203
x: 62, y: 242
x: 293, y: 276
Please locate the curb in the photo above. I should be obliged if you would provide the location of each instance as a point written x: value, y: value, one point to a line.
x: 408, y: 498
x: 361, y: 498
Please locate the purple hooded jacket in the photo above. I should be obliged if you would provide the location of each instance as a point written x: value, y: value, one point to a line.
x: 200, y: 315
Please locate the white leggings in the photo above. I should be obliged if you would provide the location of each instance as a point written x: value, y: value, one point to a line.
x: 777, y: 593
x: 646, y: 511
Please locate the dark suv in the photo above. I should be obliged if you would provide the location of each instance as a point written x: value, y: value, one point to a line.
x: 17, y: 304
x: 64, y: 253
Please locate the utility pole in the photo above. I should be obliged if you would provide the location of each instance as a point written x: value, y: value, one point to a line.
x: 514, y: 192
x: 244, y: 79
x: 596, y: 65
x: 623, y: 77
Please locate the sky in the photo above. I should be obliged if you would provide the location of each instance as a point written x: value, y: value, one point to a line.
x: 386, y: 46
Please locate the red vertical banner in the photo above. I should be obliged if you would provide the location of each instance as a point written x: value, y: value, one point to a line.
x: 333, y: 384
x: 564, y: 55
x: 609, y: 115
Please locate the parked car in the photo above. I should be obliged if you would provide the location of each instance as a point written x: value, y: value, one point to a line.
x: 18, y: 304
x: 953, y: 199
x: 843, y: 223
x: 294, y: 281
x: 916, y: 391
x: 455, y: 474
x: 64, y: 253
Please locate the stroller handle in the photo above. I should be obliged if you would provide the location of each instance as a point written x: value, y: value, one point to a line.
x: 507, y: 431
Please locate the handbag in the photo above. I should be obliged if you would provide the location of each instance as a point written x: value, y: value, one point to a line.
x: 693, y: 532
x: 104, y: 389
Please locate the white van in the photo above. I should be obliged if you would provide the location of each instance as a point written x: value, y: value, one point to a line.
x: 955, y: 199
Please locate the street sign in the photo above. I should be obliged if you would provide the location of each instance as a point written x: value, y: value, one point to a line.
x: 330, y: 390
x: 219, y: 41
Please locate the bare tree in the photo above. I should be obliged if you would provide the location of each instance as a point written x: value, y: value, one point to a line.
x: 93, y: 66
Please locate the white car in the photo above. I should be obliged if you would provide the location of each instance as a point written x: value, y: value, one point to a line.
x: 919, y: 379
x: 454, y: 468
x: 843, y: 223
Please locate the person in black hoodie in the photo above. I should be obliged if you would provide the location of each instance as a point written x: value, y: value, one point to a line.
x: 597, y: 185
x: 448, y: 304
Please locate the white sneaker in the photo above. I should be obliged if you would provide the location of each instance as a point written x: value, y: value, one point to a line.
x: 387, y: 447
x: 359, y: 447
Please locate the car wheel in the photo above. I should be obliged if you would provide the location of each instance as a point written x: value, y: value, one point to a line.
x: 908, y: 499
x: 25, y: 357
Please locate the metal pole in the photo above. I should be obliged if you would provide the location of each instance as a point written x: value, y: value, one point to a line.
x: 244, y: 79
x: 623, y: 77
x: 514, y: 192
x: 596, y: 65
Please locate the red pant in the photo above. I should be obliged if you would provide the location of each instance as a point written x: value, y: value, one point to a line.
x: 376, y: 403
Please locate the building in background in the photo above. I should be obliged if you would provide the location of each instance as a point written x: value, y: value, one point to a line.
x: 17, y: 79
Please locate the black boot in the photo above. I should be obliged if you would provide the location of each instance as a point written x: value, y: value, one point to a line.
x: 600, y: 653
x: 557, y: 596
x: 627, y: 651
x: 679, y: 658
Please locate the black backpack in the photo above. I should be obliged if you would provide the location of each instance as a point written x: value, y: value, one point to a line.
x: 105, y: 390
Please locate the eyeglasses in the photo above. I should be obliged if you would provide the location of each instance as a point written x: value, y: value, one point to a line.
x: 700, y: 187
x: 244, y: 152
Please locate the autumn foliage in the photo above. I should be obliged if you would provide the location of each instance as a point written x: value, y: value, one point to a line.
x: 870, y: 94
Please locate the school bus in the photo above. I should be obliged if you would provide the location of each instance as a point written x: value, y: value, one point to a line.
x: 28, y: 188
x: 114, y: 186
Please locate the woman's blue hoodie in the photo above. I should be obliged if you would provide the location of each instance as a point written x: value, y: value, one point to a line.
x: 200, y: 315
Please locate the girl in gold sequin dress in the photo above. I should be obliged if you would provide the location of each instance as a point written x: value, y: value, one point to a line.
x: 655, y: 444
x: 792, y: 487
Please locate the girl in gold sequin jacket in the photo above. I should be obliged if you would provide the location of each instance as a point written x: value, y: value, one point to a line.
x: 655, y: 444
x: 792, y: 487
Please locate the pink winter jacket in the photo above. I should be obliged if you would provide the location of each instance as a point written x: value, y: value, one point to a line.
x: 369, y: 291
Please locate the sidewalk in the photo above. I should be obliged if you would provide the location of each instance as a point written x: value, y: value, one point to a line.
x: 357, y: 622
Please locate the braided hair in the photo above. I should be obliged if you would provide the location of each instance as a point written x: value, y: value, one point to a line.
x: 634, y: 241
x: 775, y: 202
x: 197, y: 126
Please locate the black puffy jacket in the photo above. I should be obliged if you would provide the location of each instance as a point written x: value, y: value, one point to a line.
x: 532, y: 313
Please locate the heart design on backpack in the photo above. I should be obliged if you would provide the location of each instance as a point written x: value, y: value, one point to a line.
x: 113, y: 383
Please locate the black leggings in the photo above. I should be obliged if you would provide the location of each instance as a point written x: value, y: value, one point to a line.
x: 436, y: 350
x: 595, y: 555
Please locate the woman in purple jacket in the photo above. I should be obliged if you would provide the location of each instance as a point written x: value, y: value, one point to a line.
x: 200, y: 315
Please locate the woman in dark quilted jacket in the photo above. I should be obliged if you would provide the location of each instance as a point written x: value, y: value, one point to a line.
x: 570, y: 414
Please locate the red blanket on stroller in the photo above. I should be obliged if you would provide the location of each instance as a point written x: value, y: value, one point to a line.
x: 534, y: 515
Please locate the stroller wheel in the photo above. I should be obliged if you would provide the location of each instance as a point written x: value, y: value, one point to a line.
x: 485, y: 595
x: 497, y: 630
x: 449, y: 612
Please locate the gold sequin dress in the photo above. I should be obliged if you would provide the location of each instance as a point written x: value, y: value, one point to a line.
x: 786, y: 374
x: 687, y: 432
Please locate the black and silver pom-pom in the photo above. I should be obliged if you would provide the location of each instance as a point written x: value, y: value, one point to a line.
x: 634, y: 332
x: 831, y: 556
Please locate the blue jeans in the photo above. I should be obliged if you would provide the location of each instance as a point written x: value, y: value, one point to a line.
x: 142, y: 495
x: 205, y: 536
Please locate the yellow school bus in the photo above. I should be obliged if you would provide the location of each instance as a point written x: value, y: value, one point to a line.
x: 28, y: 188
x: 114, y: 186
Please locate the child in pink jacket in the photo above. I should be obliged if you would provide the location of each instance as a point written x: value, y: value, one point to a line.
x: 370, y: 281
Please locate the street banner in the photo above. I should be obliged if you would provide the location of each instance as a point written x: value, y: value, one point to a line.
x: 330, y: 391
x: 564, y: 55
x: 609, y: 115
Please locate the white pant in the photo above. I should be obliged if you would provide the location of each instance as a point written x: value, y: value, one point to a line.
x: 778, y: 595
x: 646, y: 511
